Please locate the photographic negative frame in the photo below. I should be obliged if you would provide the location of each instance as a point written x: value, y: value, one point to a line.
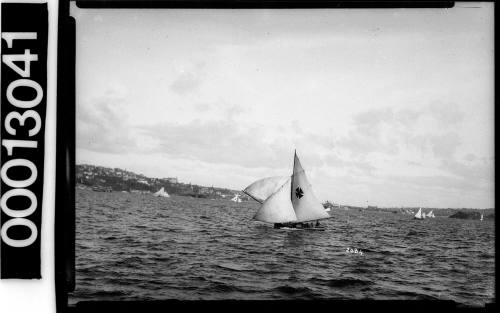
x: 65, y: 172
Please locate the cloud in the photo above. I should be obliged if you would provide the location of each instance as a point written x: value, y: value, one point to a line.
x: 232, y: 111
x: 388, y: 130
x: 358, y: 167
x: 369, y: 121
x: 475, y: 172
x: 102, y: 125
x: 447, y: 114
x: 220, y: 109
x: 445, y: 145
x: 425, y: 137
x: 441, y: 146
x: 188, y: 81
x: 221, y: 142
x: 470, y: 157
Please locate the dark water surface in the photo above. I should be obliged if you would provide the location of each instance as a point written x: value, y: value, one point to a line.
x: 139, y: 247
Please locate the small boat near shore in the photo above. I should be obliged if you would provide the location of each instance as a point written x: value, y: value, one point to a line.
x: 161, y: 193
x: 236, y: 198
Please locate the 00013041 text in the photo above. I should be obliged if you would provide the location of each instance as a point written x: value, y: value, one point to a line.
x: 20, y: 115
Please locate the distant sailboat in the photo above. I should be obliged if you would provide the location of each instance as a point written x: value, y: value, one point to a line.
x: 430, y: 214
x: 161, y: 193
x: 236, y: 198
x: 419, y: 215
x: 287, y: 201
x: 481, y: 217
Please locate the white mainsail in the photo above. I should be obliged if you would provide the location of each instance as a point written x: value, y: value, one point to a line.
x: 161, y: 193
x: 430, y: 214
x: 307, y: 207
x: 419, y: 214
x: 481, y: 217
x: 265, y: 187
x: 277, y: 208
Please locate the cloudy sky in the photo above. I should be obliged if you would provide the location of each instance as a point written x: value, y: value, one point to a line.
x: 385, y: 107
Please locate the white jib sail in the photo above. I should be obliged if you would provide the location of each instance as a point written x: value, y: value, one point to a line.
x: 265, y: 187
x: 277, y: 208
x: 307, y: 207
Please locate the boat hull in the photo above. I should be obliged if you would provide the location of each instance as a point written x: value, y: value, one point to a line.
x: 310, y: 229
x: 299, y: 226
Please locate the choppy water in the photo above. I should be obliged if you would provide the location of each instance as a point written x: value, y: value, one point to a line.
x: 139, y: 247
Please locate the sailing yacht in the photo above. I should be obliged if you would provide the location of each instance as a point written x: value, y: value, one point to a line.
x: 420, y: 215
x: 236, y: 198
x: 161, y: 193
x: 287, y: 201
x: 481, y: 217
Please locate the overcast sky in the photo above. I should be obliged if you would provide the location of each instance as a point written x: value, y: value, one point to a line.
x: 385, y: 107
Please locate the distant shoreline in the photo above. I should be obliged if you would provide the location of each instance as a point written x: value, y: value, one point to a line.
x: 121, y: 180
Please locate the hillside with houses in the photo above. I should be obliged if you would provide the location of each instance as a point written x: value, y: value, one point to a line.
x: 117, y: 179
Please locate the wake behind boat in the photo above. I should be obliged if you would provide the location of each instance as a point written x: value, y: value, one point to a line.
x: 288, y: 201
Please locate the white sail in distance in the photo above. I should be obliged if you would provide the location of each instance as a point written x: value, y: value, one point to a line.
x: 277, y: 208
x: 236, y: 198
x: 307, y: 207
x: 162, y: 193
x: 265, y: 187
x: 419, y: 214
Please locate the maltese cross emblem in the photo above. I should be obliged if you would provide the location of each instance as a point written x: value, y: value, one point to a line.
x: 299, y: 193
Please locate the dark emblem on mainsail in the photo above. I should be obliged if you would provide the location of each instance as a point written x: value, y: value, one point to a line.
x: 299, y: 193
